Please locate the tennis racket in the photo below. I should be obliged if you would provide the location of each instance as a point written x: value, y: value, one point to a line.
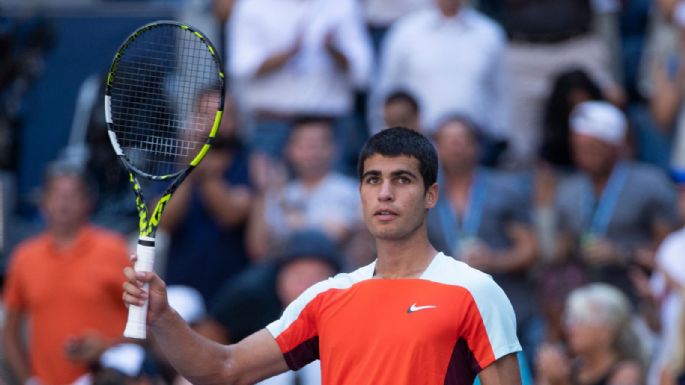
x: 161, y: 122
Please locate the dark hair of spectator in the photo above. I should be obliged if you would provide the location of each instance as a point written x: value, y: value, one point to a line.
x: 60, y: 168
x: 398, y: 141
x: 555, y: 137
x: 473, y: 129
x: 403, y: 97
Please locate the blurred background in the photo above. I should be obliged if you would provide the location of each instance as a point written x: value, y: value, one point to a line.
x: 560, y: 126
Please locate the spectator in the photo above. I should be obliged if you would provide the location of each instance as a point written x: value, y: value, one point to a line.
x: 613, y: 212
x: 316, y: 197
x: 207, y: 215
x: 71, y: 326
x: 401, y: 109
x: 545, y: 38
x: 668, y: 281
x: 450, y: 57
x: 381, y: 14
x: 483, y: 218
x: 292, y: 58
x: 674, y: 372
x: 667, y: 96
x: 602, y: 348
x: 569, y: 88
x: 307, y: 258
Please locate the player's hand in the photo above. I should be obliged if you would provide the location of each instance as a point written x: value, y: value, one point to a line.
x: 134, y: 294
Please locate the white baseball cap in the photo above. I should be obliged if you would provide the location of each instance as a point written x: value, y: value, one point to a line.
x: 600, y: 120
x: 127, y: 358
x: 187, y: 301
x: 679, y: 14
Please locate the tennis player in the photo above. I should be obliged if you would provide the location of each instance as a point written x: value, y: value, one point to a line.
x: 413, y: 316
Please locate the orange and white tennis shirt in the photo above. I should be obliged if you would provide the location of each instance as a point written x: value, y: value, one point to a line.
x: 441, y: 328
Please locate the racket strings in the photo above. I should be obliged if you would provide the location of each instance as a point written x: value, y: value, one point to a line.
x: 164, y: 97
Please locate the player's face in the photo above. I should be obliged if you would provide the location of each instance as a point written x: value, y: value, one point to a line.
x: 394, y: 200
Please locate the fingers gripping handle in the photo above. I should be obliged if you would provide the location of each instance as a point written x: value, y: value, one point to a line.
x: 136, y: 326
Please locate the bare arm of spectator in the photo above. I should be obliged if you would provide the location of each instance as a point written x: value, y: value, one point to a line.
x: 552, y: 366
x: 257, y: 235
x: 14, y: 348
x: 177, y: 207
x: 350, y: 38
x: 249, y: 54
x: 266, y: 176
x: 338, y: 56
x: 664, y: 103
x: 278, y: 59
x: 222, y: 10
x: 198, y: 359
x: 228, y: 205
x: 518, y: 257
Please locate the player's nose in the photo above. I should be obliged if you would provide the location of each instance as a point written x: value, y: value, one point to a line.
x: 385, y: 193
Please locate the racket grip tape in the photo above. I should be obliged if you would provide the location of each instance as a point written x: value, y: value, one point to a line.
x: 136, y: 326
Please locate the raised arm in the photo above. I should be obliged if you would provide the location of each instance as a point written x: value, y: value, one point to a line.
x: 200, y: 360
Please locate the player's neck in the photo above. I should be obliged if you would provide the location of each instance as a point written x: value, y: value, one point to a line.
x: 403, y: 259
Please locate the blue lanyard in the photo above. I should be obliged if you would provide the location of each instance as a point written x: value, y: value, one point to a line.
x: 597, y: 222
x: 455, y: 228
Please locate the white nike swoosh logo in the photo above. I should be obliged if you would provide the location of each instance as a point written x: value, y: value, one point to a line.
x: 414, y: 308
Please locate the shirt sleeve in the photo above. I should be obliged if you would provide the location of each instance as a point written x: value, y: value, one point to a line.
x: 14, y: 294
x: 490, y: 325
x: 296, y: 332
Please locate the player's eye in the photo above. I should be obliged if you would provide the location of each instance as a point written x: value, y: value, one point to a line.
x: 372, y: 179
x: 403, y: 180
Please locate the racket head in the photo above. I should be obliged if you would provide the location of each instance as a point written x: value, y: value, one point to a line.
x: 164, y: 99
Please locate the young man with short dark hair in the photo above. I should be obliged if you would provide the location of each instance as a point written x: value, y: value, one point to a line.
x: 413, y: 316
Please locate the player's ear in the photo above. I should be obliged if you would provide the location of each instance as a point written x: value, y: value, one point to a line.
x: 431, y: 196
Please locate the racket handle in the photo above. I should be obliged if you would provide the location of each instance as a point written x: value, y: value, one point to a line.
x: 136, y: 326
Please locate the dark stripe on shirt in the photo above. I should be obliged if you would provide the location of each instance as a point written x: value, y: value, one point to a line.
x: 463, y: 366
x: 303, y: 353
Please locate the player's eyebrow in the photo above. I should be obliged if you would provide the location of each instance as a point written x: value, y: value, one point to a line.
x: 370, y: 173
x: 393, y: 174
x: 405, y: 173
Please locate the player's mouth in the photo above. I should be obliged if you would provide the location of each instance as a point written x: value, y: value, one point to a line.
x: 384, y: 215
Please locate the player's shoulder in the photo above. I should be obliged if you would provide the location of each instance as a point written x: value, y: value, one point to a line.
x: 449, y: 271
x: 342, y: 281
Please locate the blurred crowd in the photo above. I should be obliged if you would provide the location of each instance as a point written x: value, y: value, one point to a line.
x: 560, y: 127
